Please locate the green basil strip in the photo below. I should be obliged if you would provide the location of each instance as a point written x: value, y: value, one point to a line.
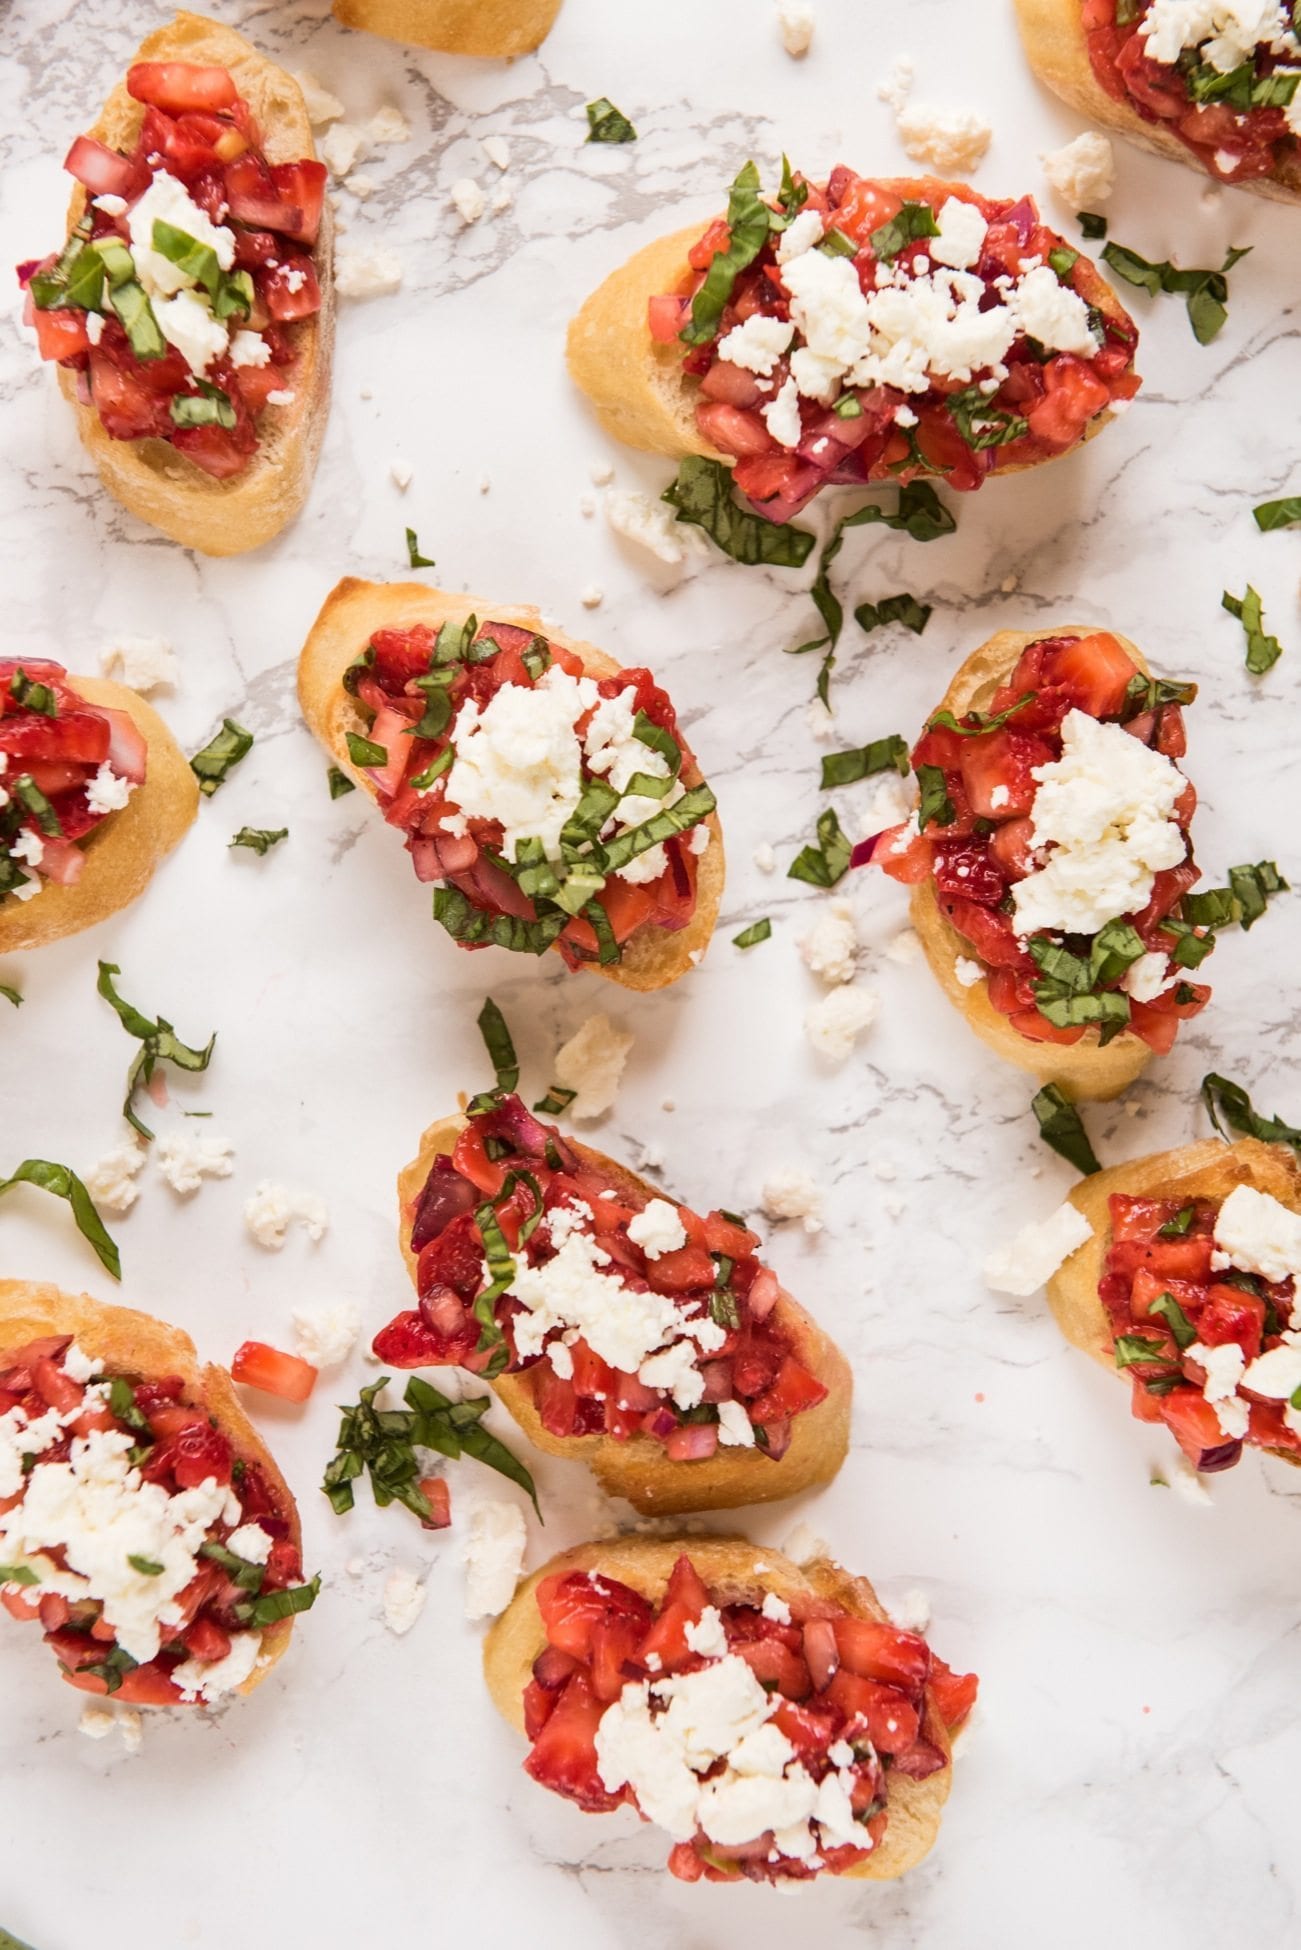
x: 414, y: 558
x: 880, y: 755
x: 751, y: 937
x: 421, y: 781
x: 982, y: 424
x: 648, y: 785
x: 1063, y: 261
x: 33, y: 697
x: 913, y: 221
x: 749, y: 221
x: 1180, y: 1225
x: 112, y: 1668
x: 903, y: 609
x: 284, y: 1604
x: 1169, y: 1310
x: 974, y: 724
x: 122, y: 1405
x: 17, y: 1574
x: 1074, y: 1011
x: 606, y: 123
x: 11, y: 995
x: 792, y: 195
x: 690, y: 809
x: 608, y: 950
x: 497, y: 1040
x: 219, y: 757
x: 826, y: 863
x: 557, y: 1100
x: 1263, y: 651
x: 935, y: 808
x: 702, y: 496
x: 501, y: 1272
x: 1206, y: 292
x: 1277, y: 514
x: 260, y: 839
x: 532, y: 870
x: 49, y: 288
x: 63, y: 1183
x: 339, y: 783
x: 920, y: 513
x: 438, y: 705
x: 1228, y: 1100
x: 588, y: 817
x: 138, y: 322
x: 1131, y: 1349
x: 1061, y: 1128
x: 210, y: 407
x: 29, y: 794
x: 657, y: 739
x: 1244, y: 899
x: 1150, y: 693
x: 234, y: 295
x: 1091, y: 224
x: 364, y: 751
x: 248, y: 1576
x: 466, y: 922
x: 196, y: 260
x: 159, y: 1044
x: 463, y: 1425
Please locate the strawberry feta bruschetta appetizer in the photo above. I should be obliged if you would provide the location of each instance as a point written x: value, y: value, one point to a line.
x: 546, y: 793
x: 143, y: 1525
x: 1050, y: 855
x: 617, y: 1326
x: 190, y: 310
x: 496, y: 28
x: 94, y: 792
x: 1188, y: 1287
x: 769, y: 1718
x: 855, y: 331
x: 1208, y: 82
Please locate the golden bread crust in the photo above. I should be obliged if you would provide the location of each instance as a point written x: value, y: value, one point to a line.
x: 495, y: 28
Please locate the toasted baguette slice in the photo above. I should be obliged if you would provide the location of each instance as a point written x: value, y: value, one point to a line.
x: 151, y: 478
x: 1210, y: 1169
x: 139, y: 1347
x: 123, y: 853
x: 1053, y: 34
x: 1084, y: 1071
x: 640, y: 389
x: 352, y: 612
x: 638, y: 1467
x: 490, y: 27
x: 735, y: 1572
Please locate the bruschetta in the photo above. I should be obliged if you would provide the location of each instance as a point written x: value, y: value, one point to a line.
x: 769, y: 1717
x: 143, y: 1524
x: 1214, y: 86
x: 94, y: 793
x: 617, y: 1327
x: 1050, y: 853
x: 496, y: 28
x: 855, y: 331
x: 190, y: 311
x: 545, y: 792
x: 1189, y: 1285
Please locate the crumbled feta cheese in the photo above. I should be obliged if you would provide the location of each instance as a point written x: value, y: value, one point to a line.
x: 952, y: 141
x: 27, y: 846
x: 185, y: 1157
x: 494, y: 1558
x: 968, y: 972
x: 834, y: 1024
x: 735, y: 1429
x: 706, y: 1635
x: 1224, y: 1365
x: 468, y: 200
x: 830, y: 949
x: 321, y: 105
x: 131, y: 1727
x: 96, y: 1722
x: 1105, y: 808
x: 1151, y: 975
x: 495, y: 149
x: 1257, y: 1234
x: 388, y: 124
x: 401, y: 474
x: 326, y: 1335
x: 112, y: 206
x: 271, y: 1209
x: 404, y: 1600
x: 519, y: 760
x: 168, y: 201
x: 757, y: 344
x: 251, y: 1542
x: 657, y: 1229
x: 651, y: 525
x: 1029, y: 1260
x: 362, y: 187
x: 592, y: 596
x: 804, y: 1546
x: 111, y: 1182
x: 911, y: 1612
x: 764, y: 858
x: 779, y: 1612
x: 280, y: 397
x: 1082, y: 172
x: 962, y: 235
x: 186, y: 322
x: 107, y: 792
x: 781, y: 415
x: 897, y: 86
x: 94, y: 326
x: 795, y: 23
x: 343, y: 147
x: 212, y: 1680
x: 792, y: 1193
x: 249, y: 349
x: 801, y: 235
x: 502, y: 199
x: 80, y: 1366
x: 591, y: 1063
x: 674, y: 1370
x: 1226, y: 32
x: 367, y: 274
x: 1052, y: 313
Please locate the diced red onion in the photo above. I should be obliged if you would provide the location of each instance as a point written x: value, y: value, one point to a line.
x: 821, y: 1653
x: 552, y: 1668
x: 765, y: 1291
x: 693, y: 1442
x: 863, y: 852
x: 660, y: 1424
x: 779, y: 1438
x: 717, y: 1377
x: 920, y: 1761
x: 444, y: 1197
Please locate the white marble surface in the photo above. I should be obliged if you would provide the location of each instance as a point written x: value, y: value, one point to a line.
x: 1133, y: 1771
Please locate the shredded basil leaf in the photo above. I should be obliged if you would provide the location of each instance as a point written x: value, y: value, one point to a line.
x: 1178, y: 1227
x: 339, y: 783
x: 148, y: 1567
x: 501, y: 1050
x: 29, y: 794
x: 1243, y: 900
x: 1228, y: 1100
x: 158, y: 1041
x: 903, y: 609
x: 122, y: 1405
x: 219, y: 757
x: 260, y: 838
x: 364, y: 751
x: 1063, y: 260
x: 1092, y: 225
x: 210, y: 406
x: 702, y: 496
x: 465, y: 922
x: 880, y: 755
x: 1131, y: 1349
x: 913, y: 221
x: 33, y: 697
x: 792, y: 195
x: 827, y: 862
x: 606, y: 123
x: 63, y: 1183
x: 920, y: 513
x: 751, y: 937
x: 1150, y: 693
x: 688, y: 811
x: 749, y: 221
x: 982, y: 424
x: 1206, y: 291
x: 1277, y: 514
x: 421, y: 781
x: 17, y: 1574
x: 974, y: 724
x: 414, y: 557
x: 383, y: 1442
x: 284, y: 1604
x: 241, y: 1571
x: 1169, y: 1310
x: 935, y: 807
x: 1263, y: 651
x: 1061, y: 1128
x: 557, y: 1100
x: 11, y: 995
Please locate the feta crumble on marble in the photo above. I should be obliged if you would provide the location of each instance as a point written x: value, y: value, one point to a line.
x: 371, y: 273
x: 968, y: 972
x: 591, y: 1063
x: 792, y: 1193
x: 834, y: 1024
x: 272, y: 1209
x: 830, y: 949
x: 144, y: 663
x: 404, y: 1600
x: 1029, y: 1260
x: 185, y: 1157
x: 111, y: 1182
x: 468, y: 200
x: 494, y: 1557
x: 1082, y: 172
x: 326, y: 1335
x: 795, y: 24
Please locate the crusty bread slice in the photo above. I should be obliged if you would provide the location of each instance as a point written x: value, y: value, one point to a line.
x: 151, y: 478
x: 141, y: 1348
x: 349, y: 617
x: 490, y: 27
x: 638, y: 1467
x: 735, y: 1572
x: 1053, y: 34
x: 1210, y: 1169
x: 122, y: 854
x: 1084, y: 1071
x: 640, y: 389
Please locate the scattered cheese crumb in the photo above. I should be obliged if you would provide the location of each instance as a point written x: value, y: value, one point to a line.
x: 897, y: 86
x: 804, y: 1545
x: 652, y: 525
x: 764, y: 858
x: 367, y: 274
x: 495, y: 149
x: 1083, y: 172
x: 793, y: 1193
x: 271, y: 1209
x: 111, y: 1182
x: 342, y: 148
x: 911, y: 1611
x: 968, y: 972
x: 1029, y: 1260
x: 951, y: 141
x: 494, y: 1558
x: 326, y: 1335
x: 146, y: 663
x: 362, y: 187
x: 591, y: 1064
x: 834, y: 1024
x: 388, y: 124
x: 586, y: 506
x: 322, y: 106
x: 601, y: 473
x: 830, y: 948
x: 131, y: 1727
x: 185, y: 1157
x: 592, y: 597
x: 404, y: 1600
x: 401, y: 475
x: 503, y: 198
x: 904, y: 947
x: 795, y: 24
x: 97, y: 1722
x: 468, y: 199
